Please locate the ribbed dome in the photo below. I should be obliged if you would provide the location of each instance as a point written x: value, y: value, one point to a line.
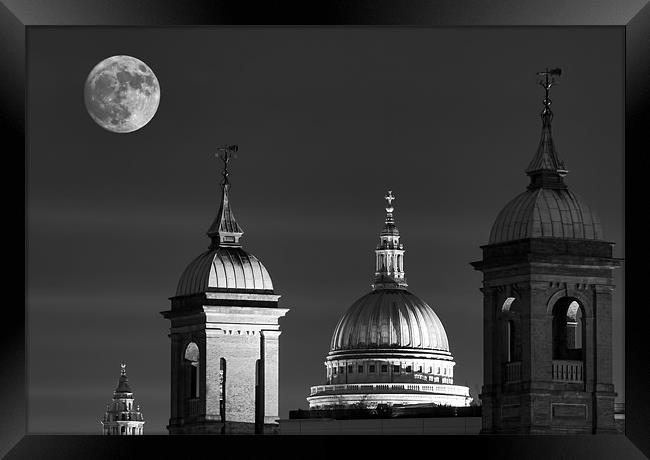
x: 546, y: 213
x: 390, y: 318
x: 224, y: 268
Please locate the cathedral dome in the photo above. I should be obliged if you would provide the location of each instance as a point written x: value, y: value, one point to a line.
x: 390, y: 318
x: 224, y: 268
x: 546, y: 213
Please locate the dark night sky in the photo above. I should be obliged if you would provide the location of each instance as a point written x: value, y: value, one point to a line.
x: 327, y: 120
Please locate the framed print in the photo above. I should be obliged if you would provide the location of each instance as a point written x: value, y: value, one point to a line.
x: 275, y: 222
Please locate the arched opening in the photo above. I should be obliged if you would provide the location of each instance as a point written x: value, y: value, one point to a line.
x: 568, y: 330
x: 507, y: 304
x: 192, y: 361
x: 399, y: 263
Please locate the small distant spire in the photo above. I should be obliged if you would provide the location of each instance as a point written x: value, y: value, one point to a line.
x: 546, y: 170
x: 225, y: 231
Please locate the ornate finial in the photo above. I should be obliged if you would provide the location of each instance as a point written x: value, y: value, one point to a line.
x: 225, y: 231
x: 123, y: 370
x: 226, y: 153
x: 547, y: 79
x: 390, y: 199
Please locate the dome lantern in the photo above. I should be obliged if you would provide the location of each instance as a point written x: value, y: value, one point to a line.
x: 389, y: 254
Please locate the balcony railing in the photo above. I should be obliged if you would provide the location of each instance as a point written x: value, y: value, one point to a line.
x: 193, y: 407
x: 392, y: 387
x: 513, y: 372
x: 567, y: 371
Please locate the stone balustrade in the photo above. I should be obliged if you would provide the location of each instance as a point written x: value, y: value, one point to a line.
x: 392, y: 387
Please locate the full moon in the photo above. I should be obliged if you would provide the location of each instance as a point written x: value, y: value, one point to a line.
x: 122, y: 94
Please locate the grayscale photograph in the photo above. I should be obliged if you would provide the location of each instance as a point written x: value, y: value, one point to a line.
x: 323, y: 231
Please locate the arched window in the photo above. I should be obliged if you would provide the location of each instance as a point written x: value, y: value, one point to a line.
x: 192, y: 360
x: 399, y: 263
x: 568, y: 330
x: 507, y: 304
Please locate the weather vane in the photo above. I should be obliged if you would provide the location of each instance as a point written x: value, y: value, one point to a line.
x: 226, y: 153
x: 547, y: 79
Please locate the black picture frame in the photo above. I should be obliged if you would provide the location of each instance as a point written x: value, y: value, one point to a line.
x: 18, y: 15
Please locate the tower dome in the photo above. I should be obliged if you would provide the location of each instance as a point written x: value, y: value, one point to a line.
x: 225, y: 266
x: 389, y: 318
x: 390, y: 347
x: 547, y: 209
x: 546, y: 213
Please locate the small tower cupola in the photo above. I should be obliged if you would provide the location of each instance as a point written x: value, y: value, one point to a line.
x: 389, y: 255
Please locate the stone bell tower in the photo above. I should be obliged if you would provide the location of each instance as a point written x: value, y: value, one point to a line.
x: 224, y: 335
x: 547, y: 306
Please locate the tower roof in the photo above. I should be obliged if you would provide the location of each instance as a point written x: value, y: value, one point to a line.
x: 225, y: 266
x: 547, y: 209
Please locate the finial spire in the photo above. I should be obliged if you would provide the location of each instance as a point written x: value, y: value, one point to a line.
x: 547, y: 79
x: 546, y: 170
x: 225, y: 231
x: 123, y: 368
x: 226, y: 153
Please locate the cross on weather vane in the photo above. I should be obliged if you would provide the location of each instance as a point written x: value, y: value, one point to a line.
x: 226, y: 153
x: 546, y: 79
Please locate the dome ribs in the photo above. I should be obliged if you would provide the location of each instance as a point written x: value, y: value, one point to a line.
x: 389, y: 318
x: 224, y: 268
x: 545, y: 213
